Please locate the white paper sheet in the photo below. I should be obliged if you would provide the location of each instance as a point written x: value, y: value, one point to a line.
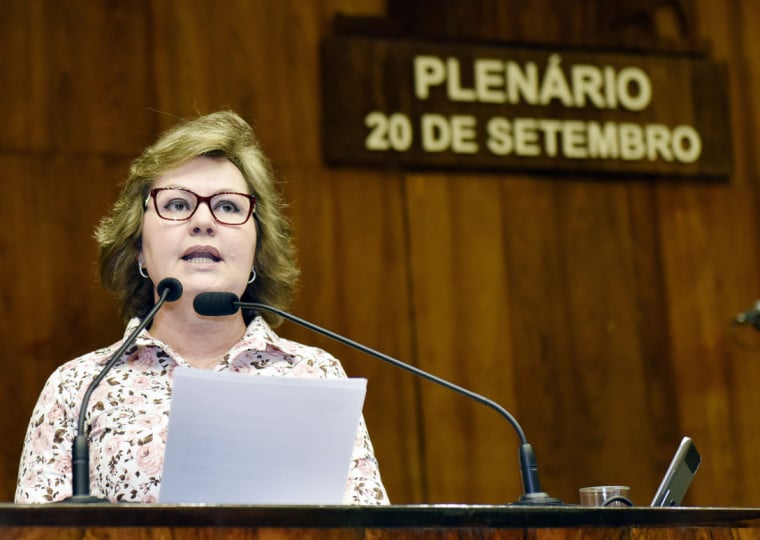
x: 239, y: 439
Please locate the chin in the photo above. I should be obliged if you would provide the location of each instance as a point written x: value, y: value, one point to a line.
x: 199, y: 286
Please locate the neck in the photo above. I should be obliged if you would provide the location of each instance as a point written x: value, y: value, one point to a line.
x: 202, y: 341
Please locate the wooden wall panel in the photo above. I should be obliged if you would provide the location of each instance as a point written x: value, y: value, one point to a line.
x: 702, y: 249
x: 351, y: 228
x: 68, y: 80
x: 458, y: 270
x: 733, y: 34
x: 597, y: 311
x: 599, y: 364
x: 540, y: 341
x: 547, y: 300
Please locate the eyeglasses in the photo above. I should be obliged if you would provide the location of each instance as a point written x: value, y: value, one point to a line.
x: 179, y: 204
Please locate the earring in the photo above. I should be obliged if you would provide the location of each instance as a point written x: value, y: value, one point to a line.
x: 253, y: 276
x: 141, y: 270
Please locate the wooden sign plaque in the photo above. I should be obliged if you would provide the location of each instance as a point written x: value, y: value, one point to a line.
x: 418, y: 105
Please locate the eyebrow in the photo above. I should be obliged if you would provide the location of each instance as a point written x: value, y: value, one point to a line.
x: 223, y: 190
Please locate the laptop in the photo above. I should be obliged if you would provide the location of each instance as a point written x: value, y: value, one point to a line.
x: 678, y: 477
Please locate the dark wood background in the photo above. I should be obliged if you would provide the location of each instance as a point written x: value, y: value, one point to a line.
x: 597, y: 310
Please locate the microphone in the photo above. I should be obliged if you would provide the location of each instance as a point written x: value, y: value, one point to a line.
x: 216, y: 304
x: 751, y: 316
x: 169, y: 290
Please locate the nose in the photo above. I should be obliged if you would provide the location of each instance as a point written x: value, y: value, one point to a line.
x: 203, y: 221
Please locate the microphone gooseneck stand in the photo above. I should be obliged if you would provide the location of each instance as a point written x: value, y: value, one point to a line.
x: 169, y: 290
x: 219, y: 303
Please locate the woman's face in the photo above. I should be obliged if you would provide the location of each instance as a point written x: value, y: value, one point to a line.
x: 203, y: 254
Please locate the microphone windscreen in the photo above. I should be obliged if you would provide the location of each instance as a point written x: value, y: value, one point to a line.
x: 173, y: 286
x: 215, y: 304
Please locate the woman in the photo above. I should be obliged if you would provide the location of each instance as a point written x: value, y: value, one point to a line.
x: 201, y: 206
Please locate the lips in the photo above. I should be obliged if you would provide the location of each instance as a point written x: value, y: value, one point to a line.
x: 201, y: 254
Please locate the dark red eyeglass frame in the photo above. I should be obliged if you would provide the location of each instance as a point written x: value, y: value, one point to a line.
x: 202, y: 199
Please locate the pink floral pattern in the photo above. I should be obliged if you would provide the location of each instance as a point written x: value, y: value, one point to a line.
x: 128, y: 417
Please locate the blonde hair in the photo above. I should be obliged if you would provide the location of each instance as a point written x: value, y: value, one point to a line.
x: 220, y: 135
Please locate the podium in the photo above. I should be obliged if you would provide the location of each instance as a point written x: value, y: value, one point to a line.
x: 449, y: 522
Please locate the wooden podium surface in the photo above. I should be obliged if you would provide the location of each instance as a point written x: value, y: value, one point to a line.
x: 106, y: 521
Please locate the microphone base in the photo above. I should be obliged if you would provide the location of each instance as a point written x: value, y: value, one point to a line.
x: 84, y: 499
x: 537, y: 499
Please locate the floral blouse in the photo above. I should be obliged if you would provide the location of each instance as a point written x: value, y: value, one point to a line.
x: 128, y: 416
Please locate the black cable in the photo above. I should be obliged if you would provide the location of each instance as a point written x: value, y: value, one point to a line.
x: 618, y: 498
